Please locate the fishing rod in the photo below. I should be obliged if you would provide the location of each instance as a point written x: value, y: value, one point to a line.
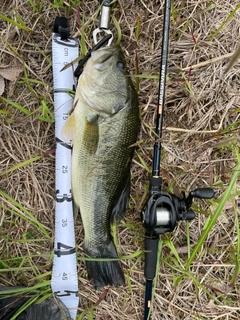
x: 163, y: 210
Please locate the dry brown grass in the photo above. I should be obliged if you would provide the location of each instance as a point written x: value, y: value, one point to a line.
x: 197, y: 152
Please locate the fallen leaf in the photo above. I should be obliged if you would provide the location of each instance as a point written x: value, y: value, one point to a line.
x: 10, y: 73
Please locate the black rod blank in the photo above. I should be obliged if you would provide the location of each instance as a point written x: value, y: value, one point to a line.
x: 161, y: 90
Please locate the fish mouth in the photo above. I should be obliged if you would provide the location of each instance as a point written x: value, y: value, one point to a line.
x: 103, y: 57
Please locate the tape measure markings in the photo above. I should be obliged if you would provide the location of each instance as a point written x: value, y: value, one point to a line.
x: 64, y: 281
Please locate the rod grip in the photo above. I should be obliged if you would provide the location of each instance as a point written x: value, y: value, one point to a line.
x: 151, y: 247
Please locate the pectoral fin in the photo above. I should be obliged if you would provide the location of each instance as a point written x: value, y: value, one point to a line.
x: 69, y: 128
x: 91, y: 134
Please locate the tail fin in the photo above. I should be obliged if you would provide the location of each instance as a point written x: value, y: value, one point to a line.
x: 103, y: 273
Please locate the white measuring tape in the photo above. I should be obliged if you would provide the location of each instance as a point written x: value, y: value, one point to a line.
x: 64, y: 274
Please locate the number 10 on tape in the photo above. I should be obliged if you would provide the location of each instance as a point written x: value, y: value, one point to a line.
x: 64, y: 275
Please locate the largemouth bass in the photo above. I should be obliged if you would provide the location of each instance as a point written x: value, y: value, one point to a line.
x: 103, y: 127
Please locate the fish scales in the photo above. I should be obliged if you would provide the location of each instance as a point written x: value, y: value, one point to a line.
x: 106, y: 119
x: 109, y: 165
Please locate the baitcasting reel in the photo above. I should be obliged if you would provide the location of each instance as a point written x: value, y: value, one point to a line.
x: 163, y: 210
x: 160, y: 214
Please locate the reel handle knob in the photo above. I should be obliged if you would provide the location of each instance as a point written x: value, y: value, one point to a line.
x: 190, y: 215
x: 202, y: 193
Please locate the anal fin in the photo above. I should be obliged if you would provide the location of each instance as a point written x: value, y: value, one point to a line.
x: 120, y: 205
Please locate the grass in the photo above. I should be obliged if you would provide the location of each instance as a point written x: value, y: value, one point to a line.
x: 229, y: 17
x: 198, y: 271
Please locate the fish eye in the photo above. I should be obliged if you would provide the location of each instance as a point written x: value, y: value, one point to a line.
x: 121, y: 65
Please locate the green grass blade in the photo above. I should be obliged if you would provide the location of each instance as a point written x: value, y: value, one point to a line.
x: 237, y: 250
x: 22, y: 80
x: 174, y: 251
x: 19, y: 25
x: 43, y: 53
x: 173, y: 265
x: 32, y: 289
x: 70, y: 64
x: 215, y: 216
x: 82, y: 40
x: 200, y: 285
x: 188, y: 85
x: 41, y: 276
x: 34, y: 223
x: 16, y: 105
x: 82, y: 315
x: 114, y: 234
x: 146, y: 76
x: 11, y: 47
x: 130, y: 256
x: 45, y: 119
x: 4, y: 112
x: 184, y: 27
x: 91, y: 314
x: 143, y: 163
x: 47, y: 115
x: 24, y: 306
x: 137, y: 72
x: 45, y: 255
x: 136, y: 263
x: 237, y: 247
x: 46, y: 296
x: 20, y: 165
x: 188, y: 239
x: 16, y: 269
x: 33, y: 220
x: 3, y: 264
x: 224, y: 22
x: 138, y: 25
x: 129, y: 284
x: 46, y: 111
x: 118, y: 30
x: 26, y: 79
